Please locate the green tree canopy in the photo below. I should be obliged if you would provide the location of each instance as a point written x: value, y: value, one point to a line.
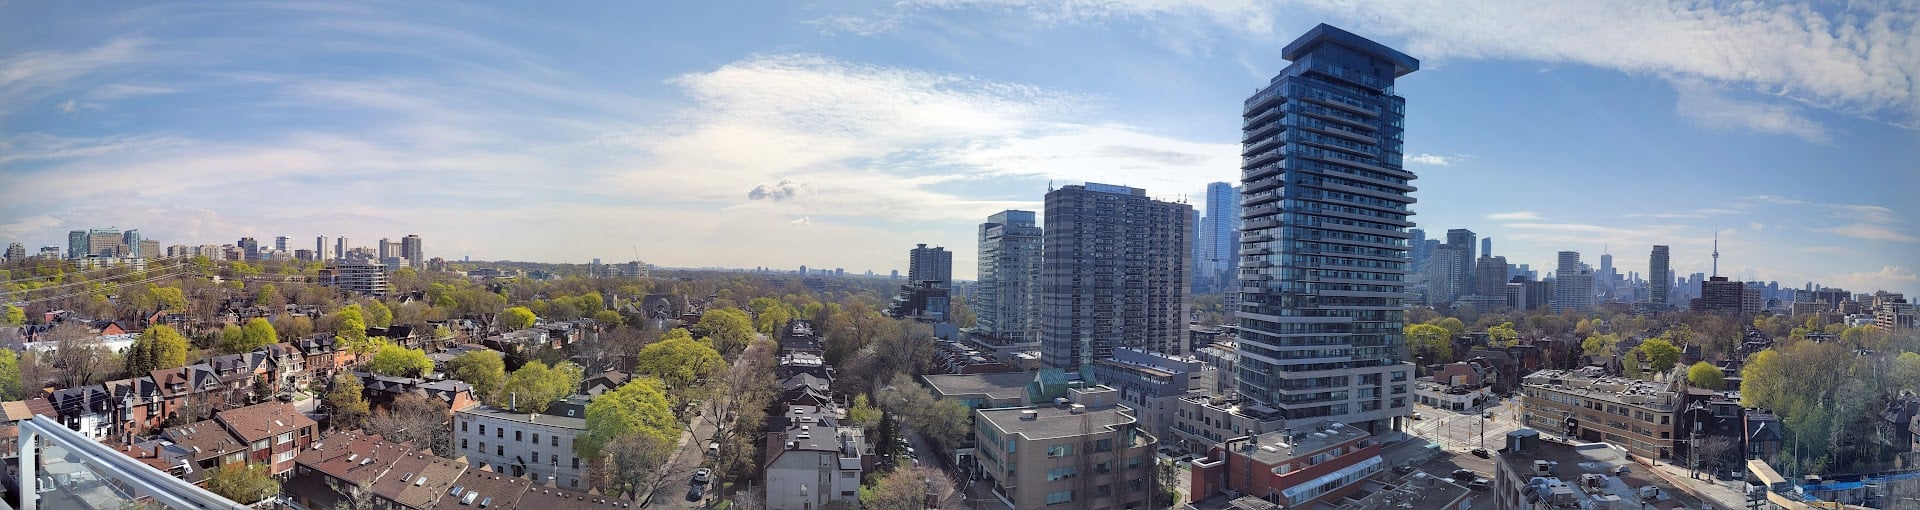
x: 535, y: 385
x: 863, y: 414
x: 244, y: 483
x: 1661, y: 354
x: 639, y: 407
x: 257, y: 333
x: 608, y: 318
x: 1430, y: 341
x: 378, y: 315
x: 1503, y: 335
x: 729, y: 328
x: 352, y: 329
x: 349, y: 406
x: 392, y: 359
x: 1630, y: 364
x: 516, y: 318
x: 678, y: 362
x: 1705, y: 375
x: 11, y: 387
x: 1453, y: 326
x: 483, y: 369
x: 1599, y: 345
x: 1905, y: 372
x: 158, y: 347
x: 12, y: 315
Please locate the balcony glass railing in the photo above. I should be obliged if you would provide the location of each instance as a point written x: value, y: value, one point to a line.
x: 60, y: 468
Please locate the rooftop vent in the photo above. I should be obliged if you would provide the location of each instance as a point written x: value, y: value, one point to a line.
x: 1029, y: 415
x: 1078, y: 408
x: 278, y: 423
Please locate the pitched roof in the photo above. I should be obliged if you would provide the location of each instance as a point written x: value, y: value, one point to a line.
x: 505, y: 490
x: 803, y: 379
x: 549, y: 498
x: 417, y: 480
x: 263, y: 421
x: 354, y: 457
x: 203, y: 439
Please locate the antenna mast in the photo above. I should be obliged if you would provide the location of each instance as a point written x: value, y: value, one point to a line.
x: 1716, y: 253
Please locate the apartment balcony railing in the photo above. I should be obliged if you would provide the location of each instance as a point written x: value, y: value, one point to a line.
x: 60, y: 468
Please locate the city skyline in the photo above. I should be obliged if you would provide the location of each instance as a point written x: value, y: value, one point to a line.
x: 156, y: 110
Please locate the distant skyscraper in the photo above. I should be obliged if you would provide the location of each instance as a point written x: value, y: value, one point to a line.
x: 1114, y: 272
x: 77, y: 244
x: 1005, y: 305
x: 1417, y: 247
x: 1659, y: 277
x: 16, y: 251
x: 249, y: 248
x: 1219, y: 255
x: 1490, y: 278
x: 130, y: 243
x: 320, y: 251
x: 1325, y: 268
x: 340, y: 248
x: 411, y: 250
x: 1572, y: 284
x: 930, y: 265
x: 106, y: 243
x: 1446, y: 273
x: 1466, y: 241
x: 387, y: 248
x: 1486, y: 247
x: 280, y: 244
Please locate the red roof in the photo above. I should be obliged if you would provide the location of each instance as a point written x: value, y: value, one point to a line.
x: 264, y: 421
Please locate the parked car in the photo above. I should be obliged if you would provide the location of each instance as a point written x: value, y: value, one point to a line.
x: 1479, y: 484
x: 1416, y: 415
x: 1402, y: 470
x: 1464, y: 474
x: 713, y: 448
x: 696, y: 491
x: 702, y: 476
x: 1482, y: 453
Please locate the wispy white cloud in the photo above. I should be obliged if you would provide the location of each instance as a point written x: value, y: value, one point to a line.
x: 1713, y: 109
x: 1515, y: 216
x: 1431, y: 159
x: 1870, y: 231
x: 27, y: 76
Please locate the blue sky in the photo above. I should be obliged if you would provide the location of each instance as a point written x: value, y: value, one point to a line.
x: 838, y: 134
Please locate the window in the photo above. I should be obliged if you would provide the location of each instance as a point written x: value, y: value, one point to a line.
x: 463, y: 443
x: 500, y: 450
x: 483, y: 429
x: 1060, y: 450
x: 1059, y: 497
x: 556, y: 440
x: 536, y: 457
x: 517, y: 437
x: 483, y: 446
x: 1103, y: 468
x: 1663, y: 419
x: 260, y: 445
x: 285, y: 438
x: 1060, y: 473
x: 846, y: 474
x: 1103, y: 445
x: 284, y: 456
x: 463, y: 426
x: 536, y: 438
x: 576, y: 463
x: 500, y: 433
x: 574, y: 482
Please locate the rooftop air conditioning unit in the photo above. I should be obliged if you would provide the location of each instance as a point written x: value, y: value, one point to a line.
x: 1029, y: 415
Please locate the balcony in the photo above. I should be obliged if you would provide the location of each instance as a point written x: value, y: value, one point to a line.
x: 83, y: 473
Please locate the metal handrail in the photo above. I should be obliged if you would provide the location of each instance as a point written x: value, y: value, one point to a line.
x: 166, y: 489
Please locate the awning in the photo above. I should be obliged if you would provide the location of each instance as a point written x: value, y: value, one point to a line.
x: 1293, y: 493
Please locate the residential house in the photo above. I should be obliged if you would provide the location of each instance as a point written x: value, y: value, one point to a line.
x: 88, y: 410
x: 199, y: 448
x: 274, y: 433
x: 815, y: 461
x: 603, y: 382
x: 1086, y: 451
x: 340, y: 468
x: 537, y: 446
x: 417, y: 480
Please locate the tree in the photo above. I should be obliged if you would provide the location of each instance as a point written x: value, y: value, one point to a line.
x: 1599, y: 345
x: 481, y: 368
x: 729, y: 328
x: 608, y: 318
x: 863, y: 414
x: 1430, y: 342
x: 1630, y: 365
x: 516, y: 318
x: 678, y: 362
x: 1453, y: 326
x: 378, y: 315
x: 349, y: 406
x: 414, y: 417
x: 638, y: 407
x: 255, y: 334
x: 351, y: 329
x: 734, y: 406
x: 244, y: 483
x: 907, y: 488
x: 158, y: 347
x: 1705, y: 375
x: 945, y: 422
x: 1502, y: 335
x: 1660, y: 354
x: 1761, y: 378
x: 770, y: 321
x: 12, y: 315
x: 634, y: 465
x: 12, y: 385
x: 535, y: 385
x: 1905, y: 372
x: 398, y: 361
x: 81, y: 359
x: 291, y: 326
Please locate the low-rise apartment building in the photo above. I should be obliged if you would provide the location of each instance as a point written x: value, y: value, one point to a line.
x: 815, y: 461
x: 1085, y: 451
x: 537, y: 446
x: 1292, y: 468
x: 1588, y: 405
x: 1535, y: 474
x: 1201, y: 421
x: 1153, y: 382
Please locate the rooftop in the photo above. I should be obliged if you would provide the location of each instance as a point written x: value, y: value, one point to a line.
x: 354, y: 457
x: 417, y: 479
x: 1003, y: 385
x: 1047, y: 422
x: 263, y: 421
x: 1587, y: 474
x: 1591, y: 382
x: 549, y: 498
x: 543, y: 419
x: 1279, y: 447
x: 505, y: 491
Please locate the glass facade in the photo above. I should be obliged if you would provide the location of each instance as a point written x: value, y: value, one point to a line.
x: 1324, y: 248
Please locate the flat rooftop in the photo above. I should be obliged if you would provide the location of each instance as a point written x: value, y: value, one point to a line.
x: 543, y: 419
x: 1591, y: 382
x: 1278, y: 447
x: 1569, y: 462
x: 1055, y: 422
x: 1003, y: 385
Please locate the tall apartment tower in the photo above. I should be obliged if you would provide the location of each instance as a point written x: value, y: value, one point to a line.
x: 387, y: 248
x: 1005, y: 305
x: 16, y: 251
x: 1490, y: 277
x: 280, y: 244
x: 1220, y: 239
x: 130, y: 243
x: 340, y: 248
x: 106, y: 243
x: 1325, y: 258
x: 1572, y: 284
x: 930, y: 265
x: 1486, y: 247
x: 1114, y: 272
x: 1464, y: 240
x: 410, y: 249
x: 1445, y: 270
x: 1659, y: 277
x: 320, y: 251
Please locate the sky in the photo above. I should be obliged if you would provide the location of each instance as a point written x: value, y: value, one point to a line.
x: 840, y: 134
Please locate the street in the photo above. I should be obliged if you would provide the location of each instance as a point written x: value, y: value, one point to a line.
x: 1461, y: 431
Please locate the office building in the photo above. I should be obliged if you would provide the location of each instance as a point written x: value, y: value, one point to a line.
x: 926, y: 296
x: 1464, y: 240
x: 340, y: 248
x: 1006, y: 306
x: 16, y: 251
x: 536, y: 446
x: 410, y: 249
x: 320, y: 249
x: 1486, y: 247
x: 1085, y: 452
x: 280, y: 244
x: 1324, y: 257
x: 105, y: 243
x: 365, y: 277
x: 1659, y: 277
x: 1718, y: 295
x: 1490, y: 277
x: 149, y: 248
x: 249, y: 248
x: 1219, y: 254
x: 388, y: 249
x: 130, y: 243
x: 1446, y: 271
x: 1114, y: 273
x: 77, y: 244
x: 1572, y: 284
x: 1417, y: 247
